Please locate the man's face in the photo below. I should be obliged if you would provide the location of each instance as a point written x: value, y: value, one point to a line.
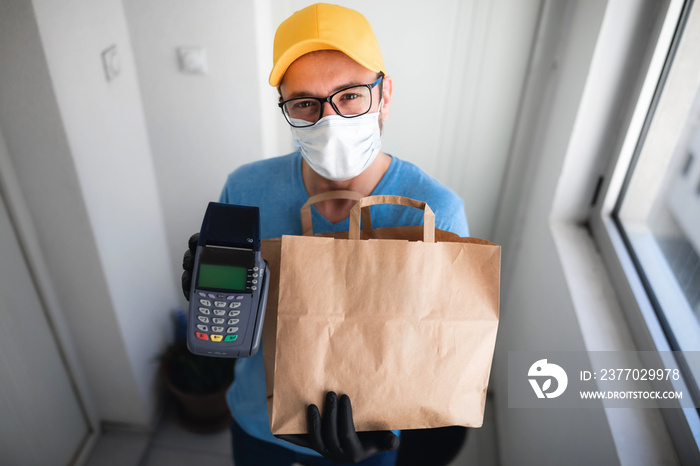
x: 320, y: 74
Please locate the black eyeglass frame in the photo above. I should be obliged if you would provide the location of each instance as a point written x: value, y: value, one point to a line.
x: 323, y: 100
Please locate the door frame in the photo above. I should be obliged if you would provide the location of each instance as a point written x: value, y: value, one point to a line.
x: 20, y: 219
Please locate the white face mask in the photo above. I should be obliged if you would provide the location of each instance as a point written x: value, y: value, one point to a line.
x: 339, y: 148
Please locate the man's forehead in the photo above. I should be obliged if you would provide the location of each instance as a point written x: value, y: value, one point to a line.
x: 324, y: 71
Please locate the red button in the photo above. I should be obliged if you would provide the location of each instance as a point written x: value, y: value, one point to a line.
x: 202, y: 336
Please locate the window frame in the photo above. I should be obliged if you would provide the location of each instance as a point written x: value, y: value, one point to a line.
x: 637, y: 306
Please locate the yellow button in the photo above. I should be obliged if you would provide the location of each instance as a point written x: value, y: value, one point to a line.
x: 217, y: 337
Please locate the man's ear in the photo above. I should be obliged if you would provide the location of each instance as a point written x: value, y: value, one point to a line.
x: 388, y: 87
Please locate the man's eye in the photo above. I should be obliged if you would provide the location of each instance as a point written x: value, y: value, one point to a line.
x: 303, y: 104
x: 349, y: 96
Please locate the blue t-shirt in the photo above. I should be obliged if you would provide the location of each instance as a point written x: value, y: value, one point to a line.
x: 276, y: 187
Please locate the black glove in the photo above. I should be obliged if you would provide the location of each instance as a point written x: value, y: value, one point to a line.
x: 188, y: 265
x: 334, y: 436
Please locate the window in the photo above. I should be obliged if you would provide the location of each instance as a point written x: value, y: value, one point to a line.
x: 648, y: 225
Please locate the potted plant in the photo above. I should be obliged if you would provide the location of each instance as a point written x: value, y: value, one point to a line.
x: 197, y: 384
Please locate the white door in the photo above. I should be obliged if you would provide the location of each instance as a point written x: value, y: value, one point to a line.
x: 41, y: 420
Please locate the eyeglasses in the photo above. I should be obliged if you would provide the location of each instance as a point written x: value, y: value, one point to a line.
x: 348, y: 103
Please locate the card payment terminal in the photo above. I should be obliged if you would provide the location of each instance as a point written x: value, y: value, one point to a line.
x: 229, y: 284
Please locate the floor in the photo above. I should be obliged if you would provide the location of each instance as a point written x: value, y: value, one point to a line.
x: 172, y: 445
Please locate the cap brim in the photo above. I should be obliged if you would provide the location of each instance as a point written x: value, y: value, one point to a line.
x: 308, y: 46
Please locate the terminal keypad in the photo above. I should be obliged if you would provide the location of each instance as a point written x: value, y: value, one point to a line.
x: 222, y: 316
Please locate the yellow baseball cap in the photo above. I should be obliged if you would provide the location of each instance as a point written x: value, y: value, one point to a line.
x: 324, y: 27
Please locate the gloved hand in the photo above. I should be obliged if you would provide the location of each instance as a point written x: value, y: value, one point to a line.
x: 188, y: 265
x: 334, y: 435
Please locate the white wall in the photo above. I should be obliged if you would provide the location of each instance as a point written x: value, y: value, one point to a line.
x: 201, y: 127
x: 106, y: 133
x: 537, y: 313
x: 82, y: 156
x: 556, y: 295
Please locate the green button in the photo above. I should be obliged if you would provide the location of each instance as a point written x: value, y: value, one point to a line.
x: 230, y: 337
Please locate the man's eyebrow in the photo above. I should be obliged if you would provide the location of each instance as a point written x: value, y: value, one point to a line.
x: 298, y: 94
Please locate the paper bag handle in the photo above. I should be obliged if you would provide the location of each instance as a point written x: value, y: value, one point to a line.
x: 306, y: 224
x: 363, y: 204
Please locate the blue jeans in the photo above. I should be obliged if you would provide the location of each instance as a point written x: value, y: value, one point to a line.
x: 251, y: 451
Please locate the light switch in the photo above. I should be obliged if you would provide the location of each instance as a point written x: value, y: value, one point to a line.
x: 111, y: 63
x: 193, y: 60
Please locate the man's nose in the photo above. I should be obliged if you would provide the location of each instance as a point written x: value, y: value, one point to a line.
x: 327, y: 110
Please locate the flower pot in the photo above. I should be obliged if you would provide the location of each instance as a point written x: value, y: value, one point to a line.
x: 202, y: 412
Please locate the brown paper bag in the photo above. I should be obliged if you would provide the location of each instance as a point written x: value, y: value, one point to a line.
x: 405, y: 328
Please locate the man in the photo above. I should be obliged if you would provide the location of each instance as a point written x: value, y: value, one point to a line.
x: 335, y: 94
